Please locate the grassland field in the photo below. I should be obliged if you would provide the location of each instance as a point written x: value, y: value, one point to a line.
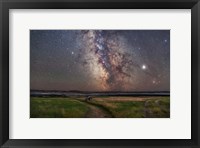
x: 100, y: 107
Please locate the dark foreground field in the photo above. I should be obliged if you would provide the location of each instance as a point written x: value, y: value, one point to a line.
x: 100, y: 107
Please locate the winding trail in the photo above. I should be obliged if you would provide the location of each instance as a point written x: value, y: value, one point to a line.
x: 96, y: 111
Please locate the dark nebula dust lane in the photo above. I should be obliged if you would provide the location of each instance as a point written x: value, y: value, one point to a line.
x: 100, y: 60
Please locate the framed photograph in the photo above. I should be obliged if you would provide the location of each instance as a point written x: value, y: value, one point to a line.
x: 99, y: 73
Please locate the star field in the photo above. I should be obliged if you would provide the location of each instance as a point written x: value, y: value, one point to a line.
x: 100, y: 60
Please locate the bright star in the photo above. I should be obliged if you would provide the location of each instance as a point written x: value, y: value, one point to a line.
x: 72, y: 52
x: 144, y: 67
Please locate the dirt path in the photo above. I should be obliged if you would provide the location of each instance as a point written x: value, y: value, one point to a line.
x: 147, y: 112
x: 96, y: 111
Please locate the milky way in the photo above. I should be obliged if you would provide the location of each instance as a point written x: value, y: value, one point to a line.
x: 110, y: 64
x: 100, y: 60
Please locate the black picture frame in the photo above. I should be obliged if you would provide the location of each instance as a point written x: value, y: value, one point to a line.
x: 5, y: 5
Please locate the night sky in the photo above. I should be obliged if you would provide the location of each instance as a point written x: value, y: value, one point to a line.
x: 100, y: 60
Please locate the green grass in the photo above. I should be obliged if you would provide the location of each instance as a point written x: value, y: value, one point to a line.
x: 148, y: 107
x: 129, y: 110
x: 57, y: 108
x: 151, y: 107
x: 159, y: 108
